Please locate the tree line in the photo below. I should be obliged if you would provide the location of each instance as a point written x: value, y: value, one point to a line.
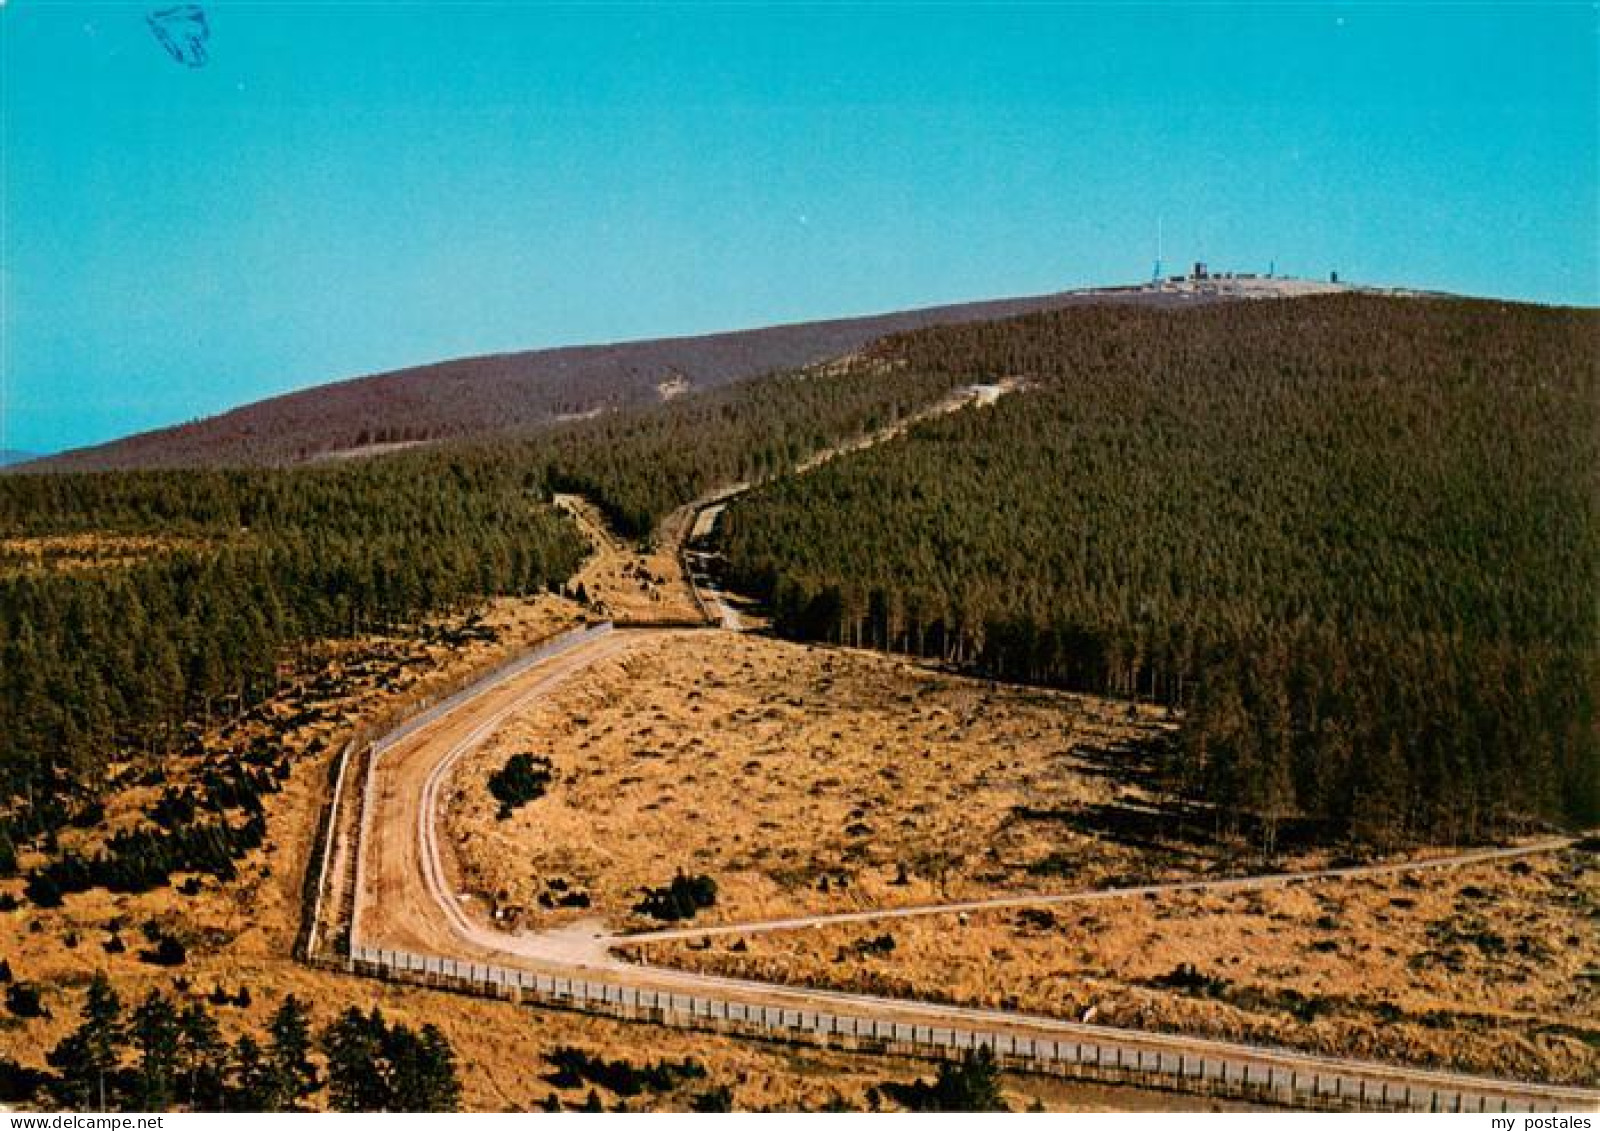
x: 1353, y: 538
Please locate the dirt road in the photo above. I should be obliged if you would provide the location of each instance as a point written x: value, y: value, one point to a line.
x: 404, y: 892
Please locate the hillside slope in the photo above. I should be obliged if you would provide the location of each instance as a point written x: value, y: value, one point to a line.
x: 499, y: 393
x: 1354, y: 538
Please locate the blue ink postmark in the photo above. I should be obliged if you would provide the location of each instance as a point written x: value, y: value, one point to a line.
x: 183, y: 31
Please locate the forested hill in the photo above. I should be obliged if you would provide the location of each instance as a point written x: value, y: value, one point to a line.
x: 1356, y: 538
x: 483, y: 396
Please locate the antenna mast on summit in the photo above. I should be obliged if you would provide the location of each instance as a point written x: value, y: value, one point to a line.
x: 1156, y: 277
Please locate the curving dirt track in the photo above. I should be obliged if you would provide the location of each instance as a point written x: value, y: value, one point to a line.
x: 403, y: 891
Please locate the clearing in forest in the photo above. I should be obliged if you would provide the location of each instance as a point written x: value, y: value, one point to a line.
x: 628, y: 583
x: 804, y: 780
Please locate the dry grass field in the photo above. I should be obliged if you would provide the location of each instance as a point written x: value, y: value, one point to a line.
x: 1491, y: 968
x: 801, y: 780
x: 502, y: 1049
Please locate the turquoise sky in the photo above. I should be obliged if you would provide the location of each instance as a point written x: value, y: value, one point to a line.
x: 344, y: 189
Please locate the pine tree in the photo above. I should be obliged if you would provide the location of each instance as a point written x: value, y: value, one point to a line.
x: 155, y: 1033
x: 294, y: 1076
x: 87, y: 1059
x: 252, y: 1086
x: 202, y: 1060
x: 353, y: 1046
x: 377, y: 1066
x: 423, y: 1070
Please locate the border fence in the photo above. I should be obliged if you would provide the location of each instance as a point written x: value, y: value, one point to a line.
x: 1104, y: 1061
x: 427, y: 711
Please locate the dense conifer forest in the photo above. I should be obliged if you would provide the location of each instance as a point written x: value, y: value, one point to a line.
x: 1354, y: 538
x: 640, y: 465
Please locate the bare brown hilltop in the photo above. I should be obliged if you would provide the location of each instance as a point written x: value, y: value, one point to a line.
x: 498, y: 393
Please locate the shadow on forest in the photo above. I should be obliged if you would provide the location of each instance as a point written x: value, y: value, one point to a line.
x: 1166, y: 828
x: 1136, y: 765
x: 1152, y: 814
x: 1148, y: 813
